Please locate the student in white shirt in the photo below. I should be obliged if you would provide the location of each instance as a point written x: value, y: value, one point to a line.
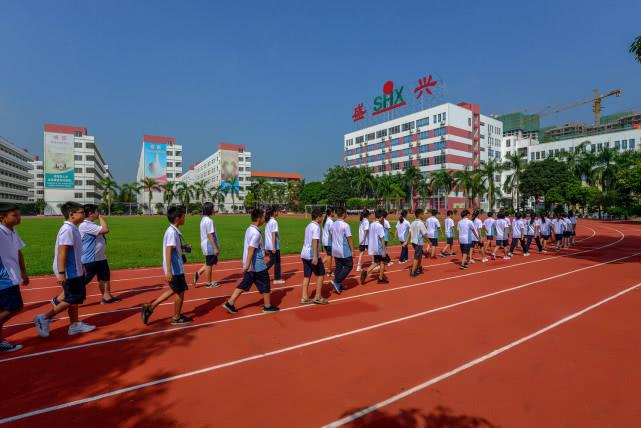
x: 502, y: 229
x: 546, y: 225
x: 466, y: 233
x: 572, y: 219
x: 558, y: 227
x: 272, y: 244
x: 173, y: 260
x: 328, y: 221
x: 376, y: 248
x: 532, y: 232
x: 488, y: 225
x: 518, y: 229
x: 342, y: 250
x: 13, y: 272
x: 433, y: 226
x: 254, y: 267
x: 209, y: 245
x: 402, y: 233
x: 387, y: 227
x: 69, y: 271
x: 311, y: 257
x: 449, y: 236
x: 363, y: 233
x: 418, y: 235
x: 477, y: 243
x: 567, y: 232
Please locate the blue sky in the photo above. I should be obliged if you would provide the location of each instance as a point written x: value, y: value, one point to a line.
x: 283, y: 77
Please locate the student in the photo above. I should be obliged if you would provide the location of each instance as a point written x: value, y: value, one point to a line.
x: 567, y: 231
x: 363, y: 233
x: 418, y: 235
x: 502, y: 228
x: 433, y: 226
x: 532, y: 232
x: 172, y: 265
x: 466, y: 233
x: 488, y: 225
x: 93, y: 252
x: 67, y: 266
x: 546, y: 223
x: 311, y: 257
x: 328, y: 221
x: 254, y: 267
x: 342, y: 250
x: 477, y: 243
x: 558, y: 226
x: 386, y: 228
x: 376, y: 248
x: 517, y: 233
x: 272, y: 244
x: 13, y: 266
x: 402, y: 233
x: 209, y: 245
x: 449, y: 235
x: 572, y: 219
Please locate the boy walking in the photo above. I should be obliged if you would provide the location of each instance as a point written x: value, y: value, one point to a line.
x: 312, y: 262
x: 254, y: 267
x: 418, y: 234
x: 433, y: 226
x: 172, y: 264
x: 376, y: 247
x: 449, y: 235
x: 466, y: 233
x: 209, y: 245
x: 518, y: 229
x: 12, y: 270
x: 502, y: 227
x: 69, y: 271
x: 342, y: 250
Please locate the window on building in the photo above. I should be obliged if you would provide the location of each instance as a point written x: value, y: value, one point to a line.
x: 170, y: 175
x: 370, y: 136
x: 424, y: 148
x: 423, y: 122
x: 424, y: 135
x: 77, y: 195
x: 424, y: 161
x: 607, y: 145
x: 444, y: 116
x: 77, y: 145
x: 407, y: 126
x: 77, y: 134
x: 532, y: 156
x: 360, y: 139
x: 179, y: 153
x: 631, y: 143
x: 395, y: 130
x: 469, y: 121
x: 78, y: 182
x: 507, y: 143
x: 78, y: 170
x: 77, y: 157
x: 90, y: 158
x: 599, y: 147
x: 617, y: 145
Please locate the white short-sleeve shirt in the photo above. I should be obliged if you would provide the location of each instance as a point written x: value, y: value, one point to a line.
x: 465, y: 234
x: 312, y: 231
x: 207, y: 228
x: 433, y: 225
x: 517, y: 228
x: 272, y: 227
x: 488, y: 224
x: 340, y: 245
x: 386, y: 227
x: 545, y: 226
x: 418, y: 231
x: 93, y: 242
x: 363, y: 228
x: 327, y: 232
x: 172, y: 239
x: 254, y: 239
x: 375, y: 238
x: 478, y: 225
x: 69, y: 235
x: 402, y: 230
x: 10, y: 245
x: 502, y: 227
x: 449, y: 228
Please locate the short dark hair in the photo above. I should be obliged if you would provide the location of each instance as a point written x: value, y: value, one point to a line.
x: 340, y: 211
x: 175, y: 211
x: 418, y: 212
x: 317, y: 212
x: 434, y: 212
x: 501, y: 214
x: 5, y: 207
x: 465, y: 213
x: 517, y: 215
x: 68, y: 207
x: 208, y: 208
x: 380, y: 212
x: 450, y: 212
x: 490, y: 214
x: 90, y: 209
x: 257, y: 213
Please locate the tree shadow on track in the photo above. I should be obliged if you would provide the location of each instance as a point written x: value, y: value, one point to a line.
x: 439, y: 417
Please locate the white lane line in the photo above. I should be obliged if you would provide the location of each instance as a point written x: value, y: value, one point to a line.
x: 472, y: 363
x: 332, y: 338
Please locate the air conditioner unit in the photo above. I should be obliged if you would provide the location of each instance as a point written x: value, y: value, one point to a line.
x: 442, y: 122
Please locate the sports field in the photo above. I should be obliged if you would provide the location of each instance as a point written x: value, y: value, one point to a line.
x: 549, y: 340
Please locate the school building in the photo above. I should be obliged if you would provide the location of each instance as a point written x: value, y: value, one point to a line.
x: 15, y: 173
x: 161, y: 159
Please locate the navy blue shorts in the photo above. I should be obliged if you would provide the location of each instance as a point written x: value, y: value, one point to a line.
x: 567, y: 234
x: 99, y: 269
x: 309, y: 268
x: 489, y: 237
x: 11, y: 299
x: 465, y: 248
x: 328, y: 249
x: 434, y: 242
x: 211, y: 260
x: 545, y: 237
x: 178, y: 283
x: 450, y: 241
x: 501, y: 242
x: 378, y: 258
x: 261, y: 279
x: 418, y: 251
x: 362, y: 248
x: 75, y: 290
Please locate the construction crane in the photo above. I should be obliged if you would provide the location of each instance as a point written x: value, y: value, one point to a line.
x: 596, y: 105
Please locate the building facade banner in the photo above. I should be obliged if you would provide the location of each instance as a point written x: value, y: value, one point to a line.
x: 59, y: 161
x: 229, y: 170
x: 156, y: 162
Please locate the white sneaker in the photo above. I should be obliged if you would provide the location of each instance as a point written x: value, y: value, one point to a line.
x: 80, y: 327
x: 42, y: 325
x: 526, y: 255
x: 390, y: 263
x: 6, y: 347
x: 484, y: 260
x: 279, y: 281
x: 358, y: 268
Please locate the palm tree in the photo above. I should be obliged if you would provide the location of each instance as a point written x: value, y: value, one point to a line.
x: 234, y: 191
x: 387, y: 190
x: 109, y: 190
x: 129, y: 193
x: 200, y: 191
x: 604, y: 169
x: 477, y: 188
x: 256, y: 187
x: 169, y: 194
x: 281, y: 193
x: 635, y: 49
x: 442, y: 181
x: 411, y: 178
x: 217, y: 195
x: 424, y: 190
x: 515, y: 163
x: 464, y: 180
x: 488, y: 171
x: 363, y: 182
x: 573, y: 158
x: 184, y: 192
x: 150, y: 185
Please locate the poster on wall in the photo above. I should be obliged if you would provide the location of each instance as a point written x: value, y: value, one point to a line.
x: 156, y: 162
x: 59, y: 161
x: 229, y: 170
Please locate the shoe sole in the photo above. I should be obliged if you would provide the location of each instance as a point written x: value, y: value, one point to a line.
x: 69, y: 333
x: 181, y: 323
x: 213, y: 286
x: 14, y: 349
x: 229, y: 309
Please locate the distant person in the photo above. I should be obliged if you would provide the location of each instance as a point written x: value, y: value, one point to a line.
x: 173, y: 261
x: 69, y: 271
x: 209, y: 245
x: 376, y: 248
x: 14, y: 271
x: 363, y: 233
x: 558, y: 227
x: 386, y: 228
x: 402, y: 233
x: 418, y: 235
x: 448, y: 250
x: 466, y: 234
x: 254, y: 267
x: 328, y: 221
x: 488, y: 225
x: 572, y: 219
x: 272, y: 244
x: 433, y: 226
x: 502, y: 229
x: 311, y: 257
x: 532, y: 232
x: 342, y: 250
x: 518, y: 230
x: 567, y: 231
x: 477, y: 243
x: 546, y: 225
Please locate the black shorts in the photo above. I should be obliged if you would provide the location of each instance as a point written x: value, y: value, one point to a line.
x: 476, y: 244
x: 574, y: 233
x: 261, y: 279
x: 489, y: 237
x: 378, y: 258
x: 178, y: 284
x: 362, y: 248
x: 99, y: 269
x: 545, y: 237
x: 501, y: 243
x: 567, y: 234
x: 465, y: 248
x: 211, y: 260
x: 450, y: 241
x: 309, y: 268
x: 11, y: 299
x: 434, y: 242
x: 75, y: 290
x: 328, y: 250
x: 418, y: 251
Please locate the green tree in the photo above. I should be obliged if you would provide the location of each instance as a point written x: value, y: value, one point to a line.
x: 250, y: 200
x: 388, y: 190
x: 169, y: 193
x: 201, y: 191
x: 311, y: 193
x: 40, y: 206
x: 109, y: 189
x: 256, y: 187
x: 442, y: 182
x: 338, y: 186
x: 464, y: 181
x: 489, y: 171
x: 410, y: 179
x: 515, y: 163
x: 184, y: 192
x: 540, y: 177
x: 234, y: 192
x: 605, y: 168
x: 635, y: 48
x: 363, y: 182
x: 150, y: 185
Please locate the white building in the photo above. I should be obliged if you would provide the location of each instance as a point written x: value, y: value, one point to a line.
x: 161, y: 159
x: 15, y: 173
x: 37, y: 180
x: 227, y: 168
x: 448, y: 136
x: 73, y: 164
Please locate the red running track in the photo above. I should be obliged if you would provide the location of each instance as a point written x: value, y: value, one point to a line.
x: 549, y: 340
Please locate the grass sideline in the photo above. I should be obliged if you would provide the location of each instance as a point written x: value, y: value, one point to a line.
x: 137, y: 241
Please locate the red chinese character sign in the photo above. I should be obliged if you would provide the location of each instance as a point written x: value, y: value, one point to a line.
x: 359, y: 113
x: 424, y: 84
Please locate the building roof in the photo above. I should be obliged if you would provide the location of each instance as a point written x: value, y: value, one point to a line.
x: 288, y: 175
x: 236, y: 147
x: 158, y: 139
x: 64, y: 129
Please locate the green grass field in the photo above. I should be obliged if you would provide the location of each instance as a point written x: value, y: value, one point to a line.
x: 137, y: 241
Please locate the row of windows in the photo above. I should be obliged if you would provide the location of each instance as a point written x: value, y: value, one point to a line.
x: 12, y: 175
x: 424, y: 161
x: 437, y: 118
x: 11, y: 197
x: 8, y: 185
x: 13, y: 164
x: 396, y: 142
x: 13, y: 153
